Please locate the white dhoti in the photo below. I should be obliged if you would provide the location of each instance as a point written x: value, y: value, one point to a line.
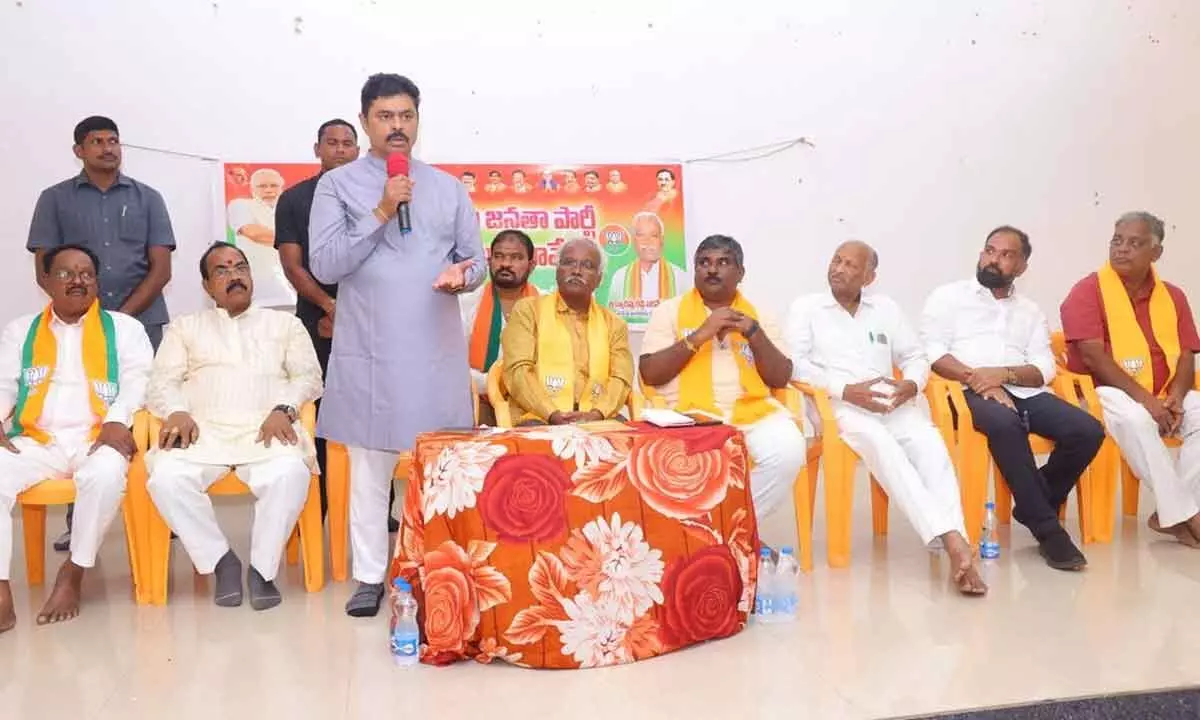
x: 777, y: 450
x: 99, y: 487
x: 280, y: 486
x: 1176, y: 485
x: 371, y: 474
x: 906, y: 454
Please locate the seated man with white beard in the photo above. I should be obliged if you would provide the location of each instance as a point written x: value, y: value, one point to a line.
x: 228, y: 383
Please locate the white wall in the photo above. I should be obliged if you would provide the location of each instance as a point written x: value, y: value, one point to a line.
x: 933, y: 120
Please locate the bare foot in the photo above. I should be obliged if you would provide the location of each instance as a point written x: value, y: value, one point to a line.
x: 1180, y: 532
x: 63, y: 603
x: 8, y: 616
x: 964, y: 573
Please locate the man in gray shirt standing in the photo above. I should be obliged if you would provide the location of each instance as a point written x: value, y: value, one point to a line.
x: 121, y: 220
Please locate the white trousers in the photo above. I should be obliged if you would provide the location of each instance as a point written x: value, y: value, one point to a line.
x: 906, y: 454
x: 99, y: 487
x: 1176, y: 485
x: 778, y: 450
x: 280, y: 486
x: 371, y: 474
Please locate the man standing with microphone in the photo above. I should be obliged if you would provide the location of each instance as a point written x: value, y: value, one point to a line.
x: 400, y: 245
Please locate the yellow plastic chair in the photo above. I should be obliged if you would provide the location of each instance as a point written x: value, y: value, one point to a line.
x: 498, y: 397
x: 157, y: 536
x: 337, y: 489
x: 1105, y: 500
x: 35, y: 500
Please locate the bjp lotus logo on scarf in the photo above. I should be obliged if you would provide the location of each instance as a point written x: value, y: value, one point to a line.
x: 555, y: 384
x: 106, y: 391
x: 1133, y: 366
x: 34, y: 376
x: 746, y: 352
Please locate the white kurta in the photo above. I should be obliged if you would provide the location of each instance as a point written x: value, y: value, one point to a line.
x: 831, y: 349
x: 650, y: 289
x: 228, y: 374
x: 67, y: 417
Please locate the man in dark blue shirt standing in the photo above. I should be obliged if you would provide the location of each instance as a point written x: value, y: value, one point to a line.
x: 124, y: 222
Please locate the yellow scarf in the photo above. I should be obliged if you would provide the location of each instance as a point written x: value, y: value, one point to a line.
x: 39, y: 357
x: 556, y: 360
x: 695, y: 382
x: 1130, y: 348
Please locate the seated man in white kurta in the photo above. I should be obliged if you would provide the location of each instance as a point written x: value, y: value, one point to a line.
x: 711, y: 350
x: 72, y: 377
x: 847, y: 343
x: 228, y: 382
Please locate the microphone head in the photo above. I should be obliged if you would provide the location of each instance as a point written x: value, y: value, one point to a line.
x: 397, y: 164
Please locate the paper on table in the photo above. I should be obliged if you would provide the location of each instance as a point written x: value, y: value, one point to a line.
x: 662, y: 417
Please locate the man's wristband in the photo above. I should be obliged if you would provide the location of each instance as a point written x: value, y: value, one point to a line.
x: 287, y: 410
x: 380, y: 215
x: 753, y: 329
x: 687, y: 343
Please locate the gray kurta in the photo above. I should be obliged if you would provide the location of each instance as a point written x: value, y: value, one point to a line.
x: 399, y: 361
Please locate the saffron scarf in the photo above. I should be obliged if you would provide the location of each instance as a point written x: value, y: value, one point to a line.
x: 556, y: 359
x: 489, y: 322
x: 695, y: 381
x: 39, y: 356
x: 666, y: 280
x: 1130, y: 348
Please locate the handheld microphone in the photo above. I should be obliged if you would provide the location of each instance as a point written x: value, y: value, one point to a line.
x: 397, y: 164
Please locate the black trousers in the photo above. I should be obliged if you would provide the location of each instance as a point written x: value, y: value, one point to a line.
x: 1037, y: 492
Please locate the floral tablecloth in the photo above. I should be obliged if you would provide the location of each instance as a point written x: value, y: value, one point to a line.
x: 567, y: 547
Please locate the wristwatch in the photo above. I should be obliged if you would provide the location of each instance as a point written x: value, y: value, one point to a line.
x: 753, y: 329
x: 287, y: 410
x: 1011, y: 377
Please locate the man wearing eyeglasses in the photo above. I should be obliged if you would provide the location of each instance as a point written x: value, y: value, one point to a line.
x: 228, y: 383
x: 123, y: 221
x: 71, y: 377
x: 566, y: 358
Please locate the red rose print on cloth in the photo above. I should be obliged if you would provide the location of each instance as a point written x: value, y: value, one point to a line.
x: 677, y: 480
x: 522, y: 498
x: 458, y: 585
x: 701, y: 597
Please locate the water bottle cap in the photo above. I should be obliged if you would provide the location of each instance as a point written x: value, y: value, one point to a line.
x: 401, y: 584
x: 786, y: 550
x: 764, y: 552
x: 989, y: 506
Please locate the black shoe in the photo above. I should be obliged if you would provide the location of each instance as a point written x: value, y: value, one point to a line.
x: 1060, y: 552
x: 63, y: 542
x: 393, y: 525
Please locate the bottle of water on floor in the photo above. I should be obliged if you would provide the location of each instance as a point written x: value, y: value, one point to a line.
x: 787, y: 585
x: 764, y: 597
x: 989, y: 543
x: 406, y: 638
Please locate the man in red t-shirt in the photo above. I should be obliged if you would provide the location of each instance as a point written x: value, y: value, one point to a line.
x: 1135, y: 335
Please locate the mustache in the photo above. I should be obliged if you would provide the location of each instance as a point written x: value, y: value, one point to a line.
x: 235, y: 284
x: 398, y: 135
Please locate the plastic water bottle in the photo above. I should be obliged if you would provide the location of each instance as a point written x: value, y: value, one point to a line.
x: 989, y: 544
x: 764, y: 598
x: 406, y: 638
x: 787, y: 576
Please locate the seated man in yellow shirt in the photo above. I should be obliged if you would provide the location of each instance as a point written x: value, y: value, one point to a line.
x: 566, y: 358
x: 710, y: 350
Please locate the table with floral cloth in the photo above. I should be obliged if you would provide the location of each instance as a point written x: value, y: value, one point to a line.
x: 577, y: 546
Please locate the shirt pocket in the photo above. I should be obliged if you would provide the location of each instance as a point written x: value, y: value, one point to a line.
x: 134, y: 224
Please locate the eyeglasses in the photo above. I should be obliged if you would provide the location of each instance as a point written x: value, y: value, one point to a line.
x: 86, y: 277
x: 571, y: 263
x: 224, y: 271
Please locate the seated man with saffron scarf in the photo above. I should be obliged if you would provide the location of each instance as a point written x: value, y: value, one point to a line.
x: 72, y: 377
x: 710, y: 350
x: 566, y: 359
x: 485, y: 311
x: 1135, y: 335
